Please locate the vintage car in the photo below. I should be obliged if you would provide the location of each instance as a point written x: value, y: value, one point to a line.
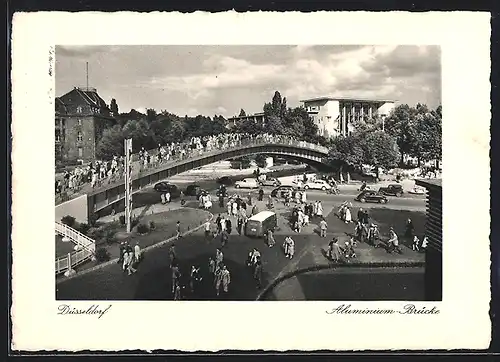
x: 270, y: 181
x: 282, y: 190
x: 247, y: 183
x: 392, y: 190
x: 316, y: 185
x: 371, y: 196
x: 165, y: 187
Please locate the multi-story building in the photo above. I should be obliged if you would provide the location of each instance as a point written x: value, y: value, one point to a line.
x: 334, y: 116
x: 256, y: 117
x: 81, y: 115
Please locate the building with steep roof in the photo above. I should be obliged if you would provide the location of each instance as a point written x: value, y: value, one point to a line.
x: 81, y: 115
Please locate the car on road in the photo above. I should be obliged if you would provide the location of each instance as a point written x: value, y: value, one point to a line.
x: 316, y: 185
x: 417, y: 191
x: 247, y: 183
x: 392, y: 190
x: 371, y: 196
x: 282, y: 190
x: 270, y: 181
x: 165, y: 186
x: 225, y: 180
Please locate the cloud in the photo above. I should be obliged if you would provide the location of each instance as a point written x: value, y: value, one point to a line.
x: 223, y: 79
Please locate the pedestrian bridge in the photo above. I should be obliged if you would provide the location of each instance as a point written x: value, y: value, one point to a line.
x: 109, y: 194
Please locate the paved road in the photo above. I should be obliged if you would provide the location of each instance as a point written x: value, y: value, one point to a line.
x: 152, y: 282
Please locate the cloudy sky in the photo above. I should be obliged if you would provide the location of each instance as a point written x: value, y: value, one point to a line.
x: 212, y: 80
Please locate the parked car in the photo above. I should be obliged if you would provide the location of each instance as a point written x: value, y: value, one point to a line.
x: 392, y: 190
x: 225, y: 180
x: 371, y: 196
x: 282, y: 190
x: 193, y: 190
x: 316, y: 185
x: 270, y: 181
x: 417, y: 190
x: 247, y: 183
x: 165, y: 186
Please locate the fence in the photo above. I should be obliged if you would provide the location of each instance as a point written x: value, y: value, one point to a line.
x: 86, y: 251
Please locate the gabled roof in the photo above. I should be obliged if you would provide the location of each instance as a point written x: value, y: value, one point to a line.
x: 87, y: 96
x: 60, y: 106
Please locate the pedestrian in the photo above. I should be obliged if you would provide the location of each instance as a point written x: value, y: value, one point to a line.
x: 176, y: 274
x: 249, y: 199
x: 222, y: 224
x: 270, y: 238
x: 223, y: 277
x: 303, y: 198
x: 425, y: 241
x: 409, y: 229
x: 223, y: 238
x: 211, y: 266
x: 195, y: 279
x: 347, y: 215
x: 257, y: 272
x: 288, y: 246
x: 360, y: 214
x: 221, y: 200
x: 334, y: 250
x: 255, y: 210
x: 229, y: 226
x: 127, y: 259
x: 297, y: 197
x: 394, y: 242
x: 229, y: 207
x: 177, y: 291
x: 167, y: 197
x: 219, y: 257
x: 178, y: 227
x: 322, y: 227
x: 366, y: 217
x: 207, y: 229
x: 162, y: 198
x: 319, y: 210
x: 261, y: 194
x: 172, y: 254
x: 218, y: 224
x: 270, y: 203
x: 373, y: 235
x: 235, y: 208
x: 253, y: 255
x: 122, y: 250
x: 240, y: 224
x: 137, y: 252
x: 416, y: 243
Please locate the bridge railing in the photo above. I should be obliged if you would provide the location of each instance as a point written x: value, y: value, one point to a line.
x: 138, y: 168
x: 86, y: 251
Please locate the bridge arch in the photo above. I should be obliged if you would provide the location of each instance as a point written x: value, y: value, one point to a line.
x: 111, y: 194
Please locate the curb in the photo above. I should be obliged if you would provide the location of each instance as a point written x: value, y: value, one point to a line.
x: 115, y: 260
x: 318, y: 267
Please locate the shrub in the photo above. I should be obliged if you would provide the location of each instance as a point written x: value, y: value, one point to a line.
x: 93, y: 219
x: 122, y: 219
x: 134, y: 222
x: 152, y: 225
x: 84, y: 228
x: 102, y: 255
x: 110, y: 237
x: 68, y: 220
x: 142, y: 229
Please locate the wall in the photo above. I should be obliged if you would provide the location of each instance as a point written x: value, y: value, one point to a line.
x: 77, y: 208
x: 386, y: 109
x: 326, y: 118
x: 72, y: 144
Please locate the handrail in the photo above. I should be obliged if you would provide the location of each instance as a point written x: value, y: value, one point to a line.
x: 80, y: 239
x: 77, y: 257
x: 138, y: 168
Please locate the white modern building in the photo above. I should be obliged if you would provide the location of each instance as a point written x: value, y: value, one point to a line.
x: 334, y: 116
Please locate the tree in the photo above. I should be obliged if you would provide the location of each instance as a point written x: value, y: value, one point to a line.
x: 114, y: 107
x: 242, y: 113
x: 111, y: 143
x: 379, y: 149
x: 346, y: 151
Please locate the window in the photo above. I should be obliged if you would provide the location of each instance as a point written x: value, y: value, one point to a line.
x: 79, y: 109
x: 58, y: 135
x: 80, y: 136
x: 79, y: 122
x: 80, y: 152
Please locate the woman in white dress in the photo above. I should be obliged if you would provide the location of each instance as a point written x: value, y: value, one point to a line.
x: 347, y: 215
x: 319, y: 211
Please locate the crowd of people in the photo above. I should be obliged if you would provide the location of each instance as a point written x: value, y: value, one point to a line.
x: 103, y: 172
